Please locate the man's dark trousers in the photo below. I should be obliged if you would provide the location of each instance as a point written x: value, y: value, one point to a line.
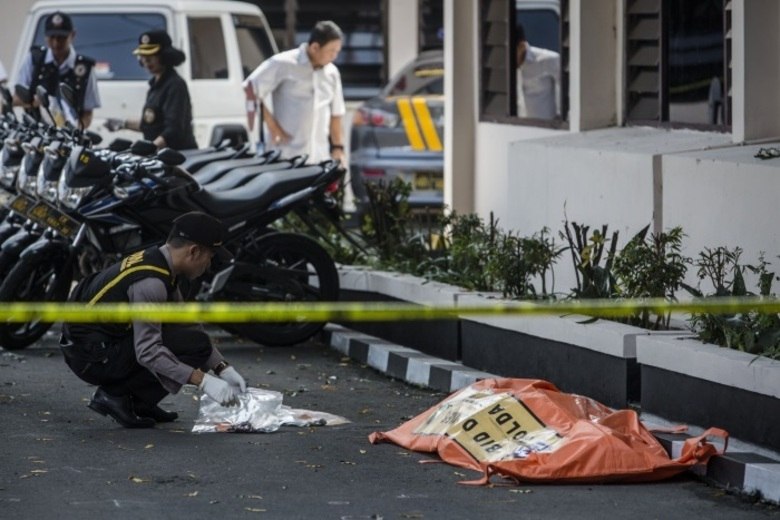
x: 121, y: 374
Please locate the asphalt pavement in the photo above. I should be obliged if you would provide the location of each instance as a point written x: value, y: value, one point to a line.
x: 59, y: 458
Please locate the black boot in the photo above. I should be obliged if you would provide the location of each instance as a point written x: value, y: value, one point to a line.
x: 120, y: 408
x: 143, y: 409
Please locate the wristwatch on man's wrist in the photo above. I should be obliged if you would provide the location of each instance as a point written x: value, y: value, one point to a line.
x: 219, y: 367
x: 334, y: 147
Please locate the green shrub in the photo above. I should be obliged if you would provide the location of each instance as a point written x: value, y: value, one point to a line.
x: 326, y: 226
x: 471, y: 246
x: 594, y: 280
x: 521, y: 260
x: 464, y: 250
x: 394, y: 233
x: 751, y: 331
x: 651, y: 267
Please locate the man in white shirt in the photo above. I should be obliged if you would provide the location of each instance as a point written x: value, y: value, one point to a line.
x: 306, y: 99
x: 538, y: 80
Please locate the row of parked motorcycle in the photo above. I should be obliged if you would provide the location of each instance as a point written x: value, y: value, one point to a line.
x: 73, y: 207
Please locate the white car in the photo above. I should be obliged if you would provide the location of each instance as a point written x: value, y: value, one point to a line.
x: 223, y: 41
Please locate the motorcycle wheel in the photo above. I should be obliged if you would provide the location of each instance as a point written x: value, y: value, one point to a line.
x: 303, y: 271
x: 36, y: 280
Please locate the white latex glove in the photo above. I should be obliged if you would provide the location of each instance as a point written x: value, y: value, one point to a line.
x: 219, y: 390
x: 114, y: 124
x: 232, y: 376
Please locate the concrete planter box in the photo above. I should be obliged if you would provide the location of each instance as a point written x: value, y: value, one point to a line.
x: 439, y: 338
x: 595, y: 359
x: 721, y: 387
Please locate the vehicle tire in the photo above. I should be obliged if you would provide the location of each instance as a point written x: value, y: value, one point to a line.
x: 303, y: 271
x: 40, y: 279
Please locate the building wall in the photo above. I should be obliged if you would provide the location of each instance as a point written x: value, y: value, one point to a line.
x: 402, y: 44
x: 756, y: 69
x: 725, y: 197
x: 612, y: 176
x: 627, y: 177
x: 494, y: 165
x: 461, y: 104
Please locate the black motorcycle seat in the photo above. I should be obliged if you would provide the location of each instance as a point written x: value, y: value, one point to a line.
x: 258, y: 194
x: 215, y: 170
x: 195, y: 162
x: 239, y: 176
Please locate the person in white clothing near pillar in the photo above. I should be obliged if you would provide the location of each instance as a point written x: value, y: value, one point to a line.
x: 302, y: 98
x: 538, y: 80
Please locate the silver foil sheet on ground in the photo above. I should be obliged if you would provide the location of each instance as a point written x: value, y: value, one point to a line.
x: 258, y: 411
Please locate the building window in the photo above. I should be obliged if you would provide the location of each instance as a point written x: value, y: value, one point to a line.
x: 431, y: 25
x: 525, y: 55
x: 675, y: 63
x: 361, y: 60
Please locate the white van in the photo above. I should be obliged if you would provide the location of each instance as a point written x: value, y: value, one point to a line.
x: 223, y: 41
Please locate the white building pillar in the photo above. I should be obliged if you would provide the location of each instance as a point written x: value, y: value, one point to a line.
x: 593, y: 64
x: 755, y: 73
x: 461, y: 72
x: 403, y: 33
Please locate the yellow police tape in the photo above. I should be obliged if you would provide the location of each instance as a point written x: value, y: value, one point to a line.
x: 365, y: 311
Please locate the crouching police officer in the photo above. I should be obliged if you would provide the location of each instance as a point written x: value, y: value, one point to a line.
x: 136, y: 365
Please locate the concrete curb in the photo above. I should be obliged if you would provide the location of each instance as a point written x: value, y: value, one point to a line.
x: 407, y: 364
x: 744, y: 472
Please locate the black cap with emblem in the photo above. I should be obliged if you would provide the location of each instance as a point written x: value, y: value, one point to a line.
x: 152, y: 42
x: 202, y: 229
x: 158, y: 42
x: 58, y: 24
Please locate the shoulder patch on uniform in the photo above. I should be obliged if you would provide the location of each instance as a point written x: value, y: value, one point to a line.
x: 131, y: 260
x: 86, y: 60
x: 149, y: 115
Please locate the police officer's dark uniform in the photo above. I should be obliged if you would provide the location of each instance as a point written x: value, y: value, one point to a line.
x: 79, y: 77
x: 108, y: 355
x: 168, y: 110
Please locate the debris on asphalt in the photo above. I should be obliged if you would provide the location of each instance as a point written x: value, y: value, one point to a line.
x: 14, y: 357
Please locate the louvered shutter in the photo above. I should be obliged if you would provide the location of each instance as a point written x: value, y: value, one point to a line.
x: 497, y: 71
x: 645, y: 90
x: 727, y: 55
x: 565, y: 58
